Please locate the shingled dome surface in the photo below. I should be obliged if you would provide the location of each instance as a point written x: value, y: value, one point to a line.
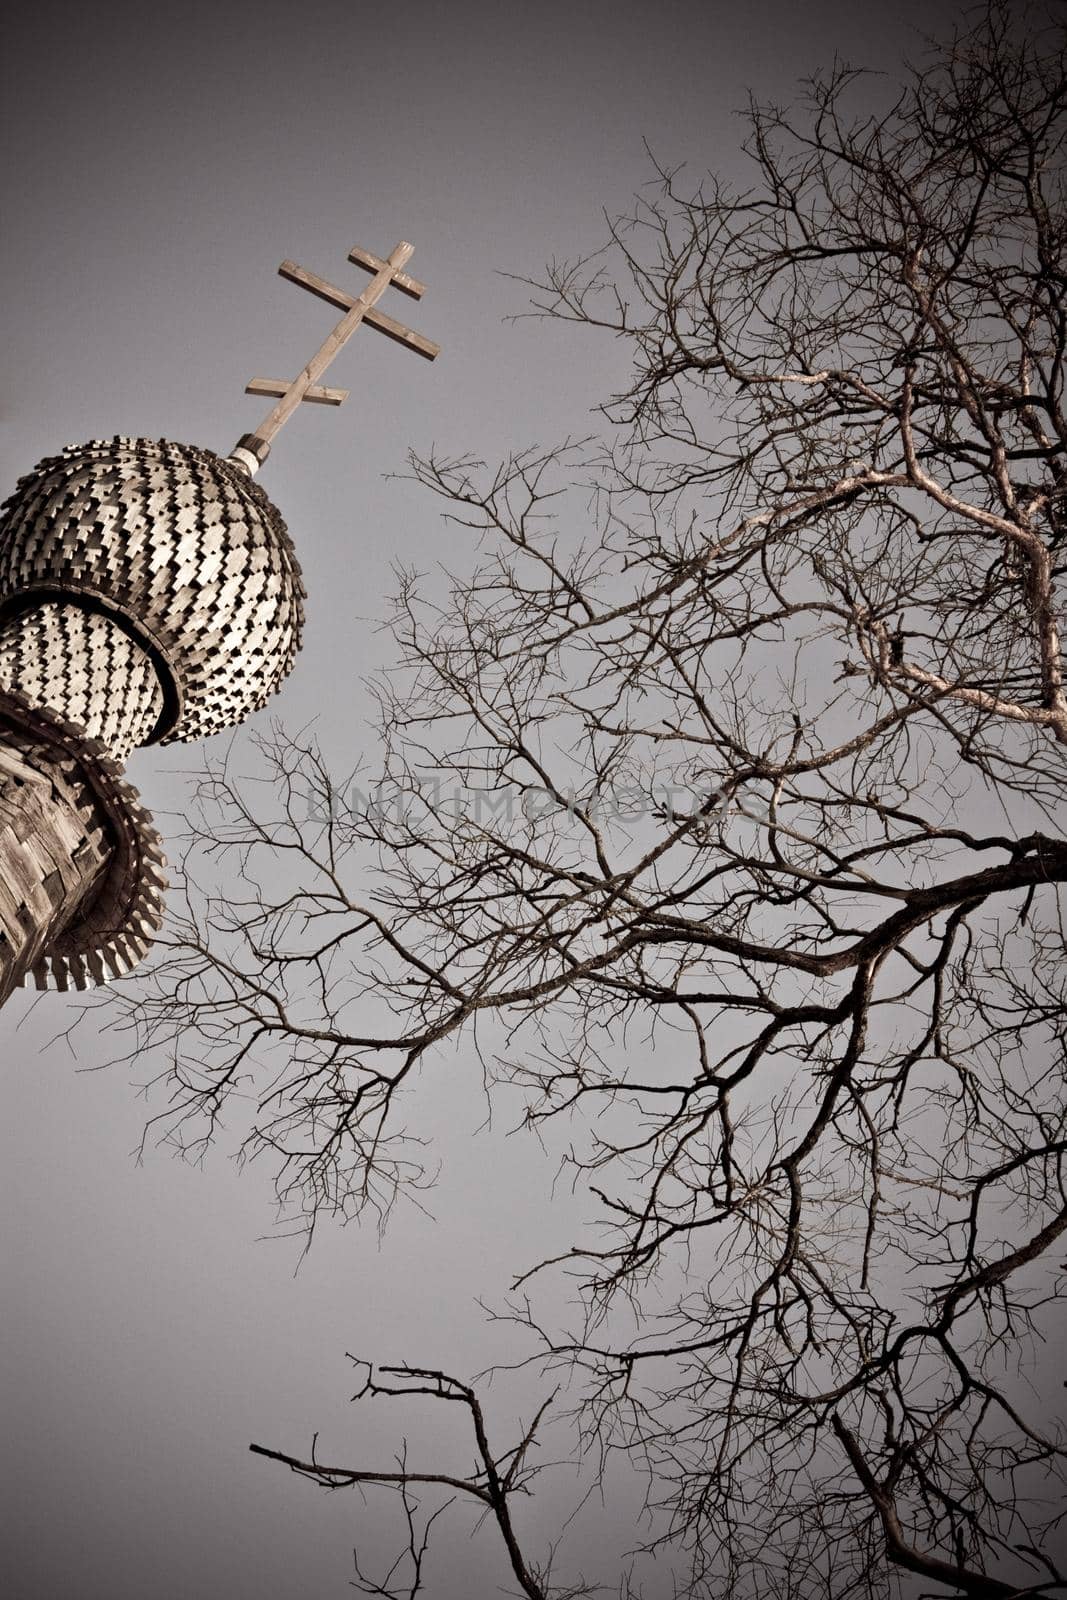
x: 181, y: 547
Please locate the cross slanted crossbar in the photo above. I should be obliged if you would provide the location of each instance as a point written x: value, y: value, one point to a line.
x: 253, y: 448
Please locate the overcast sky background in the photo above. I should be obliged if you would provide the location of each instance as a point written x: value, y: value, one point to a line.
x: 158, y: 164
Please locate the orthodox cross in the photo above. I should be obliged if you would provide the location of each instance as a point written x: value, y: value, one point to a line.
x: 252, y: 448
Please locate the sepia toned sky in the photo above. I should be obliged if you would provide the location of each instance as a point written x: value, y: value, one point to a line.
x: 158, y: 163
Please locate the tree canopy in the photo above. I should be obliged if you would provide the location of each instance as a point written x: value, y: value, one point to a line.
x: 717, y: 805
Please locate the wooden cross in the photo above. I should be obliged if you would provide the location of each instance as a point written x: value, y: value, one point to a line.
x: 252, y: 449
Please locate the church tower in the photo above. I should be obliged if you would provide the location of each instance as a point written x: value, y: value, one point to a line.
x: 149, y: 592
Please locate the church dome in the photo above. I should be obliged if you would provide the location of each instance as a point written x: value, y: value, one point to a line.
x: 182, y: 550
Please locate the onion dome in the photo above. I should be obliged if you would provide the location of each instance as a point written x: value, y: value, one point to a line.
x: 182, y: 551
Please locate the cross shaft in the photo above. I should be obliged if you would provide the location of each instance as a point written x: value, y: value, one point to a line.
x: 253, y: 448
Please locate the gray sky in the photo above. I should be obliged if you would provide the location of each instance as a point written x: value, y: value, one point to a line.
x: 159, y: 164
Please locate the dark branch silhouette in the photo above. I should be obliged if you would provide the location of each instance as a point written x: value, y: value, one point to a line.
x: 721, y: 793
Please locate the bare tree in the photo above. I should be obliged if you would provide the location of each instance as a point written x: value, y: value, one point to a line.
x: 495, y: 1479
x: 730, y: 826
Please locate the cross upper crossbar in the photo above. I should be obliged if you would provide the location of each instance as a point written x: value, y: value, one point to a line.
x: 253, y: 448
x: 401, y: 280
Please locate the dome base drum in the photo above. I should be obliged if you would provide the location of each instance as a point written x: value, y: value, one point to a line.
x: 81, y: 864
